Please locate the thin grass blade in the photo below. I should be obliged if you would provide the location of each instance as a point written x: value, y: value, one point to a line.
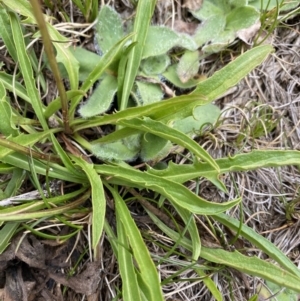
x: 26, y: 69
x: 147, y: 268
x: 97, y: 198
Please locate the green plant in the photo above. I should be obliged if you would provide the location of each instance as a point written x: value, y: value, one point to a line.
x: 160, y: 122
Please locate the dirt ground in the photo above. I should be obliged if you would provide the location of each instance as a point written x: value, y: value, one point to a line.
x: 261, y: 112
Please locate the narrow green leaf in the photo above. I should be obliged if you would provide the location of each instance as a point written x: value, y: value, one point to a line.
x: 189, y: 220
x: 210, y: 285
x: 22, y: 140
x: 6, y: 233
x: 47, y: 169
x: 230, y: 75
x: 63, y: 155
x: 242, y: 162
x: 65, y: 56
x: 26, y: 69
x: 130, y: 289
x: 252, y: 266
x: 12, y: 85
x: 158, y: 128
x: 147, y: 268
x: 21, y: 7
x: 259, y: 241
x: 171, y: 109
x: 141, y: 24
x: 6, y: 34
x: 98, y: 200
x: 101, y: 99
x: 173, y: 191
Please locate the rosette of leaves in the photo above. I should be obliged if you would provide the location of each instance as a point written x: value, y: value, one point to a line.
x: 154, y: 69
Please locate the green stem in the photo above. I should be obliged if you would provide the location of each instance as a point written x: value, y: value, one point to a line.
x: 52, y: 62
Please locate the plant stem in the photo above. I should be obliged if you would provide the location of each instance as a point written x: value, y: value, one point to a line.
x: 52, y: 62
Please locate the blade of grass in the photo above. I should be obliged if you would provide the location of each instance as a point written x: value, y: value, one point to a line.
x: 97, y: 198
x: 130, y: 288
x: 53, y: 170
x: 6, y: 233
x: 26, y: 70
x: 143, y: 16
x: 148, y: 272
x: 252, y: 266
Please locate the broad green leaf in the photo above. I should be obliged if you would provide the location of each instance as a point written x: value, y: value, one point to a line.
x: 109, y: 28
x: 154, y: 147
x: 227, y: 77
x: 188, y: 65
x: 159, y: 41
x: 222, y: 20
x: 130, y: 288
x: 187, y: 42
x: 118, y: 150
x: 101, y: 99
x: 26, y: 69
x: 7, y: 128
x: 207, y: 114
x: 252, y: 266
x: 97, y: 198
x: 209, y: 29
x: 241, y: 18
x: 212, y: 8
x: 173, y: 191
x: 143, y: 16
x: 148, y: 271
x: 155, y: 64
x: 148, y: 93
x: 166, y: 132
